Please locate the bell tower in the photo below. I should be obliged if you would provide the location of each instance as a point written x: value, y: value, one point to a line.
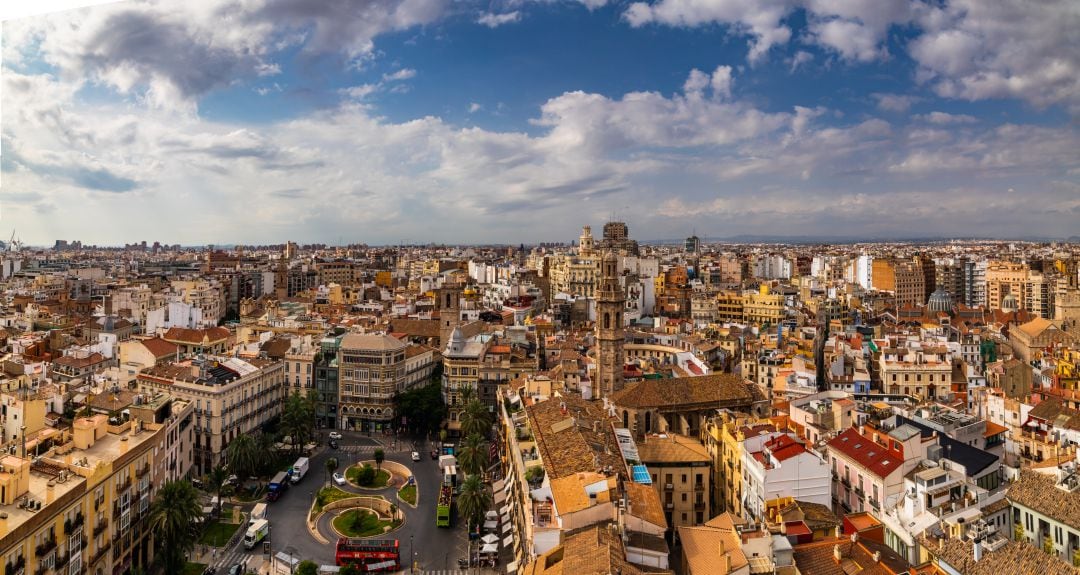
x: 610, y: 304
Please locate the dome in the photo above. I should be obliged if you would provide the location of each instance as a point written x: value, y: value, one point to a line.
x: 469, y: 291
x: 940, y: 301
x: 1009, y: 303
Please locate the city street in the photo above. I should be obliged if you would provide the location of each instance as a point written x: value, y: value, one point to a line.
x: 436, y: 550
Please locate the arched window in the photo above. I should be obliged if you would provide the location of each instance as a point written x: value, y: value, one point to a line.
x: 648, y: 422
x: 607, y: 320
x: 618, y: 319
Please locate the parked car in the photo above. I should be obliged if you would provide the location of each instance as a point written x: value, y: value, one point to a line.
x: 416, y: 456
x: 335, y: 435
x: 333, y: 444
x: 237, y: 569
x: 339, y: 479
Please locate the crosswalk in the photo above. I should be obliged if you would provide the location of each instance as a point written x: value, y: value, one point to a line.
x: 226, y: 558
x: 443, y: 572
x: 371, y: 448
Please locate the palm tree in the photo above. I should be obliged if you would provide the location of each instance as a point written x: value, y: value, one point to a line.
x: 331, y: 467
x: 475, y: 419
x: 380, y: 456
x: 296, y: 420
x: 467, y: 394
x: 473, y: 455
x: 215, y: 481
x: 243, y: 456
x: 173, y: 516
x: 264, y: 453
x: 473, y: 500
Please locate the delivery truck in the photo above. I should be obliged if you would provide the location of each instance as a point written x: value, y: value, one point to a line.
x: 257, y: 513
x: 257, y: 532
x: 278, y: 485
x: 298, y: 470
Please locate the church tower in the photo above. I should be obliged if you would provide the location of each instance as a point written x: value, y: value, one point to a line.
x: 585, y: 242
x: 449, y: 305
x: 610, y: 303
x: 281, y: 278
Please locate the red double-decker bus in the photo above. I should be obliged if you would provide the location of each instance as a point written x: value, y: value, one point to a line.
x: 372, y: 555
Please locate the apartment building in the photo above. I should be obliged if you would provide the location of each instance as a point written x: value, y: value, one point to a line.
x: 371, y: 369
x: 904, y: 278
x: 763, y: 307
x: 1045, y: 511
x: 681, y: 473
x: 920, y: 369
x: 868, y: 470
x: 783, y: 467
x: 81, y: 506
x: 231, y: 396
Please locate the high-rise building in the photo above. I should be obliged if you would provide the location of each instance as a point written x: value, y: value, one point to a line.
x: 692, y: 245
x: 609, y: 328
x: 904, y: 278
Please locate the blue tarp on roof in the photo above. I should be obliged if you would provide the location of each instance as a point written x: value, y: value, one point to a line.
x: 641, y: 475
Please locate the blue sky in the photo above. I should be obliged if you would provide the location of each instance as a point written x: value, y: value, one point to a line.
x: 429, y: 120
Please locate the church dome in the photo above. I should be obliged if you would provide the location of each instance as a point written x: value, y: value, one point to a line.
x: 1009, y: 303
x: 940, y: 301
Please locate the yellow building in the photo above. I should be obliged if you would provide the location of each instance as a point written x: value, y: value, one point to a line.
x: 82, y: 506
x: 729, y: 307
x: 763, y: 308
x: 681, y: 474
x: 733, y: 431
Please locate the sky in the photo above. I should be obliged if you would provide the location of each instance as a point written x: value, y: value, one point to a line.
x: 518, y: 121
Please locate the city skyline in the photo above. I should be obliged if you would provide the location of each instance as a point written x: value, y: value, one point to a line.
x: 422, y: 121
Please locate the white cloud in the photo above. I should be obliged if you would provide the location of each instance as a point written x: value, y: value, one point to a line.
x: 895, y: 102
x: 800, y: 59
x: 944, y: 119
x: 402, y: 74
x: 492, y: 20
x: 475, y: 107
x: 360, y: 92
x: 974, y: 50
x: 170, y: 54
x: 721, y: 82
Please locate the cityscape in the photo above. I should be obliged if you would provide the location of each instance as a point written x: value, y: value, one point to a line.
x: 294, y: 287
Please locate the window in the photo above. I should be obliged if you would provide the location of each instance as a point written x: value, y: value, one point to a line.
x: 684, y: 497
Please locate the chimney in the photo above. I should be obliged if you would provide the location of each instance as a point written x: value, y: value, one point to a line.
x: 50, y: 492
x: 978, y: 549
x: 836, y: 554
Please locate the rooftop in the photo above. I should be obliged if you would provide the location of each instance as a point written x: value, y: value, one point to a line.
x: 371, y: 342
x: 705, y: 547
x: 876, y: 458
x: 1012, y: 557
x: 574, y: 435
x: 686, y: 391
x: 672, y: 448
x: 1034, y: 490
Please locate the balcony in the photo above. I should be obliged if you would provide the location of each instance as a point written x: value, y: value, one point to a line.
x: 699, y: 506
x: 140, y: 473
x: 15, y: 568
x: 844, y: 504
x: 858, y: 491
x: 699, y: 487
x: 126, y: 484
x: 875, y: 504
x: 45, y: 547
x: 73, y: 524
x: 835, y: 475
x: 101, y: 553
x: 669, y: 505
x: 846, y: 482
x: 668, y: 487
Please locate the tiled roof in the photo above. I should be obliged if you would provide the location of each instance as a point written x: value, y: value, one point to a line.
x: 72, y: 361
x: 1036, y: 491
x: 705, y: 546
x: 645, y: 503
x: 1013, y: 557
x: 196, y: 336
x: 570, y: 495
x: 371, y: 342
x: 1035, y: 327
x: 159, y: 348
x: 567, y: 439
x: 672, y: 449
x: 817, y: 558
x: 416, y: 327
x: 784, y: 447
x: 686, y: 391
x: 874, y: 457
x: 591, y: 551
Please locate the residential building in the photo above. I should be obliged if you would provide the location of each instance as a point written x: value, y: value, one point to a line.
x: 782, y: 467
x: 231, y: 396
x: 371, y: 370
x: 1046, y: 511
x: 214, y: 340
x: 682, y: 476
x: 868, y: 470
x: 920, y: 369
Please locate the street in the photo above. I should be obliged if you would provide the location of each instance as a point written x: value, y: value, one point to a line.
x: 435, y: 549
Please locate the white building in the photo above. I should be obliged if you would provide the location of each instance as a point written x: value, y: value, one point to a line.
x: 782, y: 467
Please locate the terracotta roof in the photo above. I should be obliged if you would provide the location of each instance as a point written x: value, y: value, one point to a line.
x: 564, y: 431
x: 371, y: 342
x: 1034, y: 490
x: 686, y: 391
x: 672, y: 449
x: 591, y: 551
x: 645, y: 503
x: 570, y: 495
x: 1013, y: 557
x: 196, y: 336
x: 817, y: 558
x: 160, y: 348
x: 993, y: 429
x: 784, y: 447
x: 875, y: 458
x: 416, y: 327
x: 705, y: 546
x: 72, y: 361
x: 1035, y: 327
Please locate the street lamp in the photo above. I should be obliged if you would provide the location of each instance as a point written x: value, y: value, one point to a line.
x: 412, y: 556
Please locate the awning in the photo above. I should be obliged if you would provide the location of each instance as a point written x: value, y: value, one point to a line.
x: 491, y: 515
x: 506, y: 527
x: 490, y: 538
x: 504, y: 510
x: 511, y: 567
x: 499, y: 485
x: 499, y: 497
x: 492, y: 525
x: 509, y: 540
x: 506, y: 518
x: 489, y: 548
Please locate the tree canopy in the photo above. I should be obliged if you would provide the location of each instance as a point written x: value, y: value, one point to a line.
x: 422, y: 407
